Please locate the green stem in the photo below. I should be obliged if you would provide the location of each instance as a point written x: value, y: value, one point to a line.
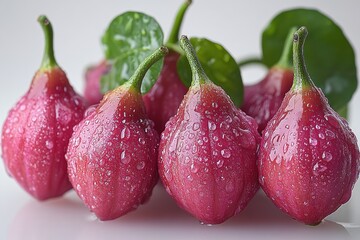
x: 286, y: 56
x: 251, y: 60
x: 48, y: 61
x: 301, y: 76
x: 136, y: 79
x: 174, y: 34
x: 198, y: 73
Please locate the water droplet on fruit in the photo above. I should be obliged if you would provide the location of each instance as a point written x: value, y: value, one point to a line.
x: 329, y: 134
x: 220, y: 163
x: 287, y: 126
x: 332, y: 120
x: 285, y: 148
x: 225, y: 153
x: 321, y: 136
x: 22, y: 107
x: 77, y: 141
x: 142, y: 141
x: 318, y: 168
x: 326, y: 156
x: 125, y: 133
x: 140, y: 165
x: 275, y: 139
x: 313, y: 141
x: 214, y: 105
x: 211, y: 125
x: 124, y: 157
x: 196, y: 126
x: 193, y: 168
x: 317, y: 126
x: 49, y: 144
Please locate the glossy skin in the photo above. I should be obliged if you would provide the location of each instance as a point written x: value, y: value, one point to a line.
x: 309, y: 159
x: 36, y: 133
x: 92, y: 92
x: 112, y: 155
x: 164, y: 98
x: 262, y: 100
x: 207, y: 155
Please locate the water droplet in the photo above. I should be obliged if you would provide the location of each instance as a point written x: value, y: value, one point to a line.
x: 318, y: 168
x: 285, y: 148
x: 332, y: 120
x: 214, y: 105
x: 108, y: 172
x: 78, y: 187
x: 191, y: 136
x: 196, y: 126
x: 125, y: 133
x: 142, y: 141
x: 317, y: 126
x: 287, y: 126
x: 326, y: 156
x: 313, y: 141
x: 276, y: 138
x: 229, y: 187
x: 211, y: 125
x: 225, y: 153
x: 321, y: 136
x: 140, y: 165
x: 77, y: 141
x: 200, y: 142
x: 187, y: 160
x: 220, y: 163
x: 193, y: 168
x: 49, y: 144
x: 124, y: 157
x: 22, y: 107
x: 189, y: 177
x: 329, y: 133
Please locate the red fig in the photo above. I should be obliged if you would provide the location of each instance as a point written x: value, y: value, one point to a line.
x: 309, y: 158
x: 208, y: 151
x: 112, y: 155
x: 164, y: 98
x: 92, y: 92
x: 37, y: 130
x: 263, y: 99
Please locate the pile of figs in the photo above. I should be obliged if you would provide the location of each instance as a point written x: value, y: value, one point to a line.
x: 210, y: 156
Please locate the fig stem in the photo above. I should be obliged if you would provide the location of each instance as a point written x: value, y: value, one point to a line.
x: 136, y: 79
x: 198, y: 73
x: 174, y: 34
x: 48, y: 61
x: 301, y: 76
x: 286, y: 55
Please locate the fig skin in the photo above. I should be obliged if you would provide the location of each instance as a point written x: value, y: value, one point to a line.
x: 112, y: 155
x: 208, y: 152
x: 37, y: 130
x: 164, y: 98
x: 92, y: 90
x: 309, y: 158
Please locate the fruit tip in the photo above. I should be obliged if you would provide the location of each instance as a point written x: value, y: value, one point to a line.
x: 302, y: 32
x: 164, y: 50
x: 42, y: 19
x: 189, y: 2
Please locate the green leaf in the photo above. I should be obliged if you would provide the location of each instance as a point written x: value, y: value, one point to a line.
x: 344, y: 112
x: 128, y: 40
x: 329, y: 56
x: 219, y: 66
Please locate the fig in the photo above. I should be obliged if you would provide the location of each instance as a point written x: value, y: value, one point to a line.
x: 37, y: 130
x: 309, y: 158
x: 112, y: 154
x: 93, y: 74
x: 208, y: 150
x: 263, y: 99
x: 164, y: 98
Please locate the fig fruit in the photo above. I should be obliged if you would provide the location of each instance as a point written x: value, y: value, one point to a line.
x: 37, y: 130
x: 112, y: 155
x: 309, y: 158
x: 208, y: 150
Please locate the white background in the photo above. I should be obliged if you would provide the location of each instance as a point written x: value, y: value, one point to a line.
x: 78, y: 26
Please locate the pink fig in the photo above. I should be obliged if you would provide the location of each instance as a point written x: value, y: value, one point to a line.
x: 309, y: 158
x: 92, y: 92
x: 112, y: 155
x: 263, y: 99
x: 164, y: 98
x: 37, y: 130
x: 208, y: 151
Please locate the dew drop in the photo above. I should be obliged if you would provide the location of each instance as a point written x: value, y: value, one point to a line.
x: 187, y: 160
x: 220, y: 163
x: 22, y: 107
x: 124, y: 157
x: 332, y: 120
x: 321, y: 136
x: 142, y: 141
x: 77, y: 141
x: 189, y: 177
x: 326, y: 156
x: 196, y: 126
x: 225, y: 153
x: 193, y: 168
x: 140, y: 165
x: 313, y: 141
x: 329, y: 134
x: 275, y: 138
x: 211, y: 125
x: 214, y: 105
x: 125, y: 133
x: 317, y: 126
x: 49, y: 144
x: 285, y: 148
x: 287, y: 126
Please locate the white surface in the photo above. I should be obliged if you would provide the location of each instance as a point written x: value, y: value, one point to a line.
x: 78, y: 26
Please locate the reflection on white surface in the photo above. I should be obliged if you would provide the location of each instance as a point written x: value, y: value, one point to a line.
x: 68, y: 218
